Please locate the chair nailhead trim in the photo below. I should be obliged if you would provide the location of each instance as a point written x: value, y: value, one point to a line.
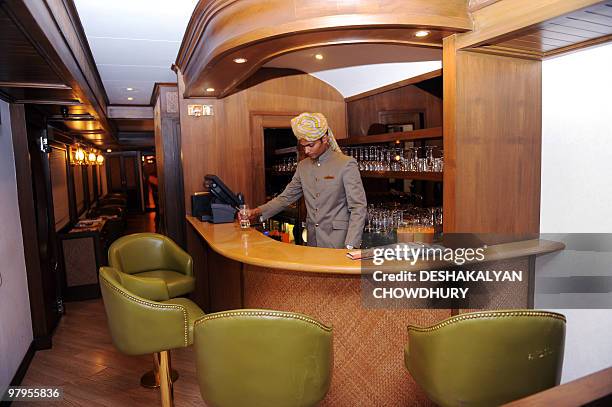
x: 229, y: 314
x: 493, y: 314
x: 155, y: 305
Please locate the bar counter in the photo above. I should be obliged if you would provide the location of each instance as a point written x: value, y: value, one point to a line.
x: 253, y: 248
x: 245, y: 269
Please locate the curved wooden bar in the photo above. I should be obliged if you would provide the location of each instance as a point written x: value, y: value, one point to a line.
x: 222, y: 30
x: 245, y: 269
x: 253, y: 248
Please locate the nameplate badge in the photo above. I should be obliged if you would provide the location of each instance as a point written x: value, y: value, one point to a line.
x: 329, y: 177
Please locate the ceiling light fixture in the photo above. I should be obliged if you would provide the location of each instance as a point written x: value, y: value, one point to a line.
x: 210, y: 89
x: 421, y: 33
x: 240, y: 60
x: 129, y: 89
x: 130, y: 98
x: 108, y: 150
x: 319, y: 56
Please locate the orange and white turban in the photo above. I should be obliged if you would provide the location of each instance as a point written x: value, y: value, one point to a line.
x: 312, y: 127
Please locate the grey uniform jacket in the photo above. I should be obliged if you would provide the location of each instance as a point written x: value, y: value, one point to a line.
x: 335, y: 199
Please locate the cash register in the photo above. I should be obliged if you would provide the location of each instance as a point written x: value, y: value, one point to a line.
x: 217, y: 204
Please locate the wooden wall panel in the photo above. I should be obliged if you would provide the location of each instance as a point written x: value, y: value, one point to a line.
x: 362, y: 113
x: 197, y: 248
x: 171, y: 206
x: 494, y: 135
x: 199, y: 144
x: 37, y: 290
x: 222, y: 144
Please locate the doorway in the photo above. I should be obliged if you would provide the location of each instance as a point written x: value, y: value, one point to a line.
x: 124, y: 175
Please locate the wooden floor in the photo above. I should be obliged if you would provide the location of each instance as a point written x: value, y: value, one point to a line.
x: 93, y: 373
x: 84, y: 362
x: 140, y: 223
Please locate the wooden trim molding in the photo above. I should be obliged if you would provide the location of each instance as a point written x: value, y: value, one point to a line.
x: 157, y: 88
x: 539, y: 30
x: 577, y: 47
x: 507, y: 18
x: 474, y: 5
x: 223, y: 30
x: 411, y: 81
x: 34, y: 85
x: 54, y: 30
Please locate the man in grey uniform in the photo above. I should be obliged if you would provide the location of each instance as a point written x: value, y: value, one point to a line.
x: 331, y: 186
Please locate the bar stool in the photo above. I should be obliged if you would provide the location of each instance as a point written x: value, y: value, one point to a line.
x: 487, y: 358
x: 262, y: 358
x: 151, y: 255
x: 153, y: 260
x: 139, y: 326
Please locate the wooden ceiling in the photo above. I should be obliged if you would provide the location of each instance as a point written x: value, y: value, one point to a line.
x: 223, y: 30
x: 581, y: 28
x: 46, y: 63
x: 24, y: 73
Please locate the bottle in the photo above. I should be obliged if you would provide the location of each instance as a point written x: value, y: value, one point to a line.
x: 284, y: 233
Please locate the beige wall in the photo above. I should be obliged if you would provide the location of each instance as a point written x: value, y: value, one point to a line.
x: 15, y: 320
x: 226, y: 143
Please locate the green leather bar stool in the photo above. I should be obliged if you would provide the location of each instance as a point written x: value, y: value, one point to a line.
x: 487, y: 358
x: 155, y: 256
x: 139, y: 326
x: 262, y: 358
x: 162, y: 263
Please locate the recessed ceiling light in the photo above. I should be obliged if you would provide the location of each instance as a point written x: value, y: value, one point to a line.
x: 210, y: 89
x: 130, y: 98
x: 108, y: 150
x: 319, y: 56
x: 129, y: 89
x: 421, y: 33
x: 240, y: 60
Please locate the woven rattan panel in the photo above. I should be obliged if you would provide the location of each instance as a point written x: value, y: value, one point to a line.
x: 504, y: 295
x: 368, y: 344
x: 80, y: 261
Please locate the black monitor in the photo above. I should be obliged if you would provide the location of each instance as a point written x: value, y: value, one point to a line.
x: 220, y: 191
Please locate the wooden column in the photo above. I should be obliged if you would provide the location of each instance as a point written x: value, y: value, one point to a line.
x: 169, y: 168
x: 33, y: 212
x: 492, y: 142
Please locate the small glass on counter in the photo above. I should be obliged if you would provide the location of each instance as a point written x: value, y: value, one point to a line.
x: 243, y: 217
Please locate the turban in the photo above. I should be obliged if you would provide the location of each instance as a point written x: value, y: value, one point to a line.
x: 312, y: 127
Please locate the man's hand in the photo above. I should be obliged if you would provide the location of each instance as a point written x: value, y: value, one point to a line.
x: 254, y: 214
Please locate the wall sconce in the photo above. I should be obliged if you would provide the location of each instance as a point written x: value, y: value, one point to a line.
x: 91, y: 158
x: 100, y: 159
x: 79, y: 156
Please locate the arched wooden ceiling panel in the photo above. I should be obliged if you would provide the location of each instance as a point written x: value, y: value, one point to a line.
x: 222, y: 30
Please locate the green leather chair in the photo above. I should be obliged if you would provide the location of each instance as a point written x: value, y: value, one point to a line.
x: 139, y: 326
x: 487, y: 358
x: 156, y: 257
x: 262, y: 358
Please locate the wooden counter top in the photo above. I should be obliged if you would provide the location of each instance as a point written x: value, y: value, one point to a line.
x: 252, y: 247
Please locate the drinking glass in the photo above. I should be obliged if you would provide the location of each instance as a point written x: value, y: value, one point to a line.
x: 429, y: 156
x: 243, y: 217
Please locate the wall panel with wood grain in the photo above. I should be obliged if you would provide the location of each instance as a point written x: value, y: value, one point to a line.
x: 492, y: 142
x: 363, y: 112
x: 222, y: 144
